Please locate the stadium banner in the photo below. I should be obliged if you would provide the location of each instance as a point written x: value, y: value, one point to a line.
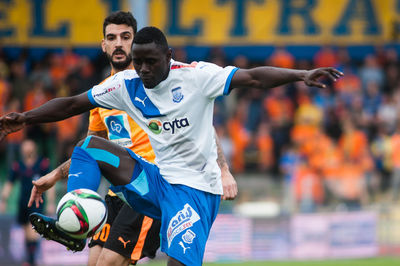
x: 39, y: 23
x: 309, y: 233
x: 276, y: 22
x: 334, y: 235
x: 353, y: 234
x: 270, y: 239
x: 44, y: 23
x: 230, y: 239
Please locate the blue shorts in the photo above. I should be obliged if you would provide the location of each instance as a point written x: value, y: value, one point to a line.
x: 186, y: 214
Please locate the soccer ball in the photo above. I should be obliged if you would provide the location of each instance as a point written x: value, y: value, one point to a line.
x: 81, y: 213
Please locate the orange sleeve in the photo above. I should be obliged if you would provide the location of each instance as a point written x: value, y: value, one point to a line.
x: 95, y: 122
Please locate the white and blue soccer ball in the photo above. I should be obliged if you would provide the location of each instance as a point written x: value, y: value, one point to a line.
x: 81, y: 213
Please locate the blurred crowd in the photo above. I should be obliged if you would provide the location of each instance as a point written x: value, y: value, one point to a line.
x: 336, y: 144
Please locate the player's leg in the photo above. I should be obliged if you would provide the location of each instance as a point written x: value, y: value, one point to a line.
x: 32, y: 241
x: 132, y: 237
x: 188, y: 215
x: 95, y: 157
x: 173, y: 262
x: 96, y: 244
x: 94, y: 254
x: 108, y: 257
x: 31, y: 237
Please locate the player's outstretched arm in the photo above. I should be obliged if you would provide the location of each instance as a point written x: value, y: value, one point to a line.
x: 269, y: 77
x: 54, y: 110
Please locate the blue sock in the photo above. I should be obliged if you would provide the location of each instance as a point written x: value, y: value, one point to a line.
x: 84, y: 171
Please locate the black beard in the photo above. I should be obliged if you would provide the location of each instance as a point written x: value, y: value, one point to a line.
x: 120, y: 65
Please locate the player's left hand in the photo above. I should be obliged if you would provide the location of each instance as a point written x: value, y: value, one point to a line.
x: 39, y: 187
x: 229, y: 185
x: 312, y: 76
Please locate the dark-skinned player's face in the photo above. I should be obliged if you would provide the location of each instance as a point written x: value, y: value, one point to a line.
x: 117, y: 44
x: 151, y: 62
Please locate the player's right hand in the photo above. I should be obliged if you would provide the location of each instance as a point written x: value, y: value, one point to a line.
x: 41, y: 185
x: 10, y: 123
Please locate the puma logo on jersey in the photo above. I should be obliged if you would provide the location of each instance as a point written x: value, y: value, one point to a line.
x: 140, y: 100
x: 183, y: 246
x: 123, y: 241
x: 76, y: 175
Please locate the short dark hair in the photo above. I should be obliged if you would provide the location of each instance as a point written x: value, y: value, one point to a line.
x: 120, y: 17
x: 150, y: 35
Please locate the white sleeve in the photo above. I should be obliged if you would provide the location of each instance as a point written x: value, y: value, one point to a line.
x: 214, y: 80
x: 108, y: 94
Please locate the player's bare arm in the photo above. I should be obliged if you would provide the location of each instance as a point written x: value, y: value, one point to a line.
x: 54, y: 110
x: 229, y: 184
x: 269, y: 77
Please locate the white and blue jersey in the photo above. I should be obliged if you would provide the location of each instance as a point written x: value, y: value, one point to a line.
x: 183, y: 189
x: 177, y: 116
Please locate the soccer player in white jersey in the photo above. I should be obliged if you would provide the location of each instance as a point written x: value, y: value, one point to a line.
x: 173, y: 103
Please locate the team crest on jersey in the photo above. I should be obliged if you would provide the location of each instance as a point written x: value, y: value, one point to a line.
x: 184, y: 219
x: 177, y: 95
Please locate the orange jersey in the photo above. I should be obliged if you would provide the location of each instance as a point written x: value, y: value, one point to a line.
x: 122, y: 130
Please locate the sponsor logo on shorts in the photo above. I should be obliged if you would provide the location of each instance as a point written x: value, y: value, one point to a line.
x: 123, y: 241
x: 183, y: 246
x: 183, y: 220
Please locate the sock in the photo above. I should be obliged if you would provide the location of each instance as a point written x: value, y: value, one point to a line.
x: 31, y: 251
x: 84, y: 171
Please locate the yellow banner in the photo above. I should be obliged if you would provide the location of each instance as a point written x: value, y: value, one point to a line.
x: 264, y: 22
x: 54, y: 22
x: 206, y: 22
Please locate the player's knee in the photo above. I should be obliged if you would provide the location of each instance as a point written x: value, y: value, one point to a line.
x: 108, y: 257
x: 92, y: 141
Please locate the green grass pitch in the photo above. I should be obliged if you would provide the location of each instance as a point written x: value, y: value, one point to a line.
x: 350, y: 262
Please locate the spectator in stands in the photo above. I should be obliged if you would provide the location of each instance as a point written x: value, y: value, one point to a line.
x: 371, y: 71
x: 326, y: 56
x: 395, y: 178
x: 19, y: 81
x: 30, y: 167
x: 14, y: 140
x: 279, y: 109
x: 239, y: 135
x: 280, y: 57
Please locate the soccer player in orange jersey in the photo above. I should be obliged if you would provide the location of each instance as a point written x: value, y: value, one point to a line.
x: 127, y: 236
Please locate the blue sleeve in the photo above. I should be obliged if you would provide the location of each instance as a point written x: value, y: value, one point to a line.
x: 227, y: 88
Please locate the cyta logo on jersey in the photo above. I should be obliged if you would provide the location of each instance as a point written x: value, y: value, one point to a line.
x: 156, y: 126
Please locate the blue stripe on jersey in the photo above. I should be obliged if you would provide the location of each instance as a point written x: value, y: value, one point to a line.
x: 228, y: 81
x: 91, y: 99
x: 139, y: 98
